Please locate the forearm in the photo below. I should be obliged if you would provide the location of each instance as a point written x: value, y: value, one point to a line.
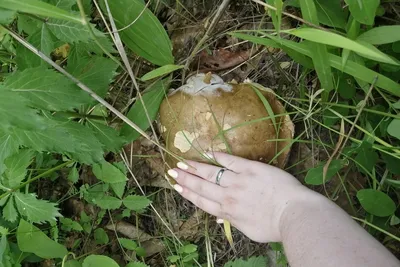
x: 316, y: 232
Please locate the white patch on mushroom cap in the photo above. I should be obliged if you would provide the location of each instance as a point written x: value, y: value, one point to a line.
x: 208, y: 115
x: 226, y: 127
x: 195, y: 85
x: 184, y: 139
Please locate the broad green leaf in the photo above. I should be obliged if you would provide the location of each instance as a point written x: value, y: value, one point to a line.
x: 315, y: 176
x: 136, y: 203
x: 65, y: 138
x: 136, y: 264
x: 381, y: 35
x: 99, y: 261
x: 73, y: 175
x: 72, y: 263
x: 352, y: 68
x: 72, y: 32
x: 16, y: 168
x: 9, y: 212
x: 46, y: 89
x: 108, y: 202
x: 392, y: 163
x: 152, y: 101
x: 8, y: 147
x: 27, y: 24
x: 32, y: 239
x: 108, y: 136
x: 35, y: 210
x: 333, y: 39
x: 100, y: 236
x: 187, y: 249
x: 96, y: 72
x: 376, y: 202
x: 108, y: 173
x: 366, y: 158
x: 161, y: 71
x: 14, y: 111
x: 394, y: 128
x: 173, y: 258
x: 364, y: 11
x: 67, y: 225
x: 63, y: 4
x: 40, y: 8
x: 320, y: 52
x: 251, y: 262
x: 331, y: 13
x: 6, y: 17
x: 44, y: 41
x: 155, y: 47
x: 118, y: 188
x: 127, y: 243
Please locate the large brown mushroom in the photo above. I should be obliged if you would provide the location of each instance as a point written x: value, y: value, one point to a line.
x: 207, y: 114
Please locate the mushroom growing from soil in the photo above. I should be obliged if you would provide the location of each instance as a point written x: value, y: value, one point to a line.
x: 207, y: 114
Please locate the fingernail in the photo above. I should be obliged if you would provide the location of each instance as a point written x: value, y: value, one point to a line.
x: 173, y: 173
x: 178, y: 188
x: 182, y: 166
x: 208, y: 155
x: 220, y: 221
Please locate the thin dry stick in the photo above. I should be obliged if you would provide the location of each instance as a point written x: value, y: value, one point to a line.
x: 213, y: 24
x: 290, y: 15
x: 125, y: 59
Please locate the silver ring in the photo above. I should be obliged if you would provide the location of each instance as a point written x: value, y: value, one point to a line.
x: 219, y: 176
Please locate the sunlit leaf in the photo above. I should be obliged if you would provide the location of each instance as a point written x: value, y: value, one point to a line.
x: 108, y: 173
x: 127, y: 243
x: 136, y: 203
x: 108, y: 202
x: 381, y: 35
x: 16, y: 168
x: 99, y: 261
x: 161, y: 71
x: 100, y: 236
x: 376, y: 202
x: 363, y: 10
x: 32, y: 239
x: 108, y: 136
x: 7, y: 16
x: 10, y: 212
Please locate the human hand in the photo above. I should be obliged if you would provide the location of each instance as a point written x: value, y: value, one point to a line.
x: 251, y: 195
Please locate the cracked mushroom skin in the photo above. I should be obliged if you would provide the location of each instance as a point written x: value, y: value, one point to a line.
x: 207, y: 114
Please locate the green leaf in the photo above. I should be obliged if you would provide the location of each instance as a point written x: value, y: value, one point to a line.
x: 352, y: 68
x: 136, y: 203
x: 40, y: 8
x: 364, y: 11
x: 72, y: 263
x: 381, y: 35
x: 315, y: 175
x: 100, y: 236
x: 187, y: 249
x: 276, y: 15
x: 35, y: 210
x: 44, y: 41
x: 152, y: 101
x: 118, y: 188
x: 392, y: 163
x: 127, y: 243
x: 46, y: 89
x: 366, y: 157
x: 69, y: 31
x: 161, y: 71
x: 320, y: 55
x: 9, y: 212
x: 15, y: 112
x: 27, y: 24
x: 108, y: 136
x: 63, y: 4
x: 96, y: 72
x: 32, y: 239
x: 73, y: 175
x: 108, y: 202
x: 333, y: 39
x: 173, y: 258
x: 8, y: 147
x: 155, y: 47
x: 108, y: 173
x: 331, y: 13
x: 136, y: 264
x: 17, y: 168
x: 6, y: 17
x: 251, y: 262
x: 67, y: 225
x: 394, y: 128
x: 99, y: 261
x: 376, y: 202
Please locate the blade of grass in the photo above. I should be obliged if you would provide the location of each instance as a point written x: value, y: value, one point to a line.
x: 320, y: 55
x: 41, y: 9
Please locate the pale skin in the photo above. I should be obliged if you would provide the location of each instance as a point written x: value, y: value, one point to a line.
x: 269, y: 205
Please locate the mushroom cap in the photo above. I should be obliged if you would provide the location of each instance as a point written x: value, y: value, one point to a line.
x: 207, y: 115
